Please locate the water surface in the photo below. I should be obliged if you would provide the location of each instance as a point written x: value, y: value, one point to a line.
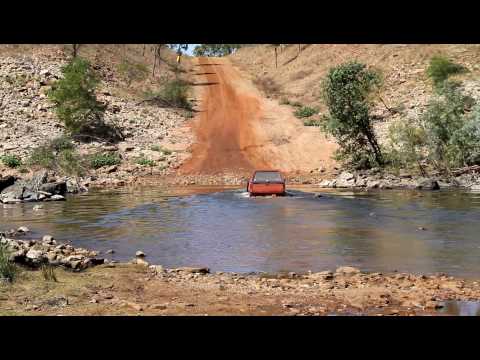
x: 228, y: 231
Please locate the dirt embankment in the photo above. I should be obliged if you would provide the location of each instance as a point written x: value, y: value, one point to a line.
x: 238, y: 130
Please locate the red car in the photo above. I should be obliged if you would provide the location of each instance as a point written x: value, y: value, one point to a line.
x: 266, y: 182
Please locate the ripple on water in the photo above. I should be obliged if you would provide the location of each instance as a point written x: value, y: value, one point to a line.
x: 228, y: 231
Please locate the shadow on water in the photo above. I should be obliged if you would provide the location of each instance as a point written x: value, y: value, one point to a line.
x: 226, y: 230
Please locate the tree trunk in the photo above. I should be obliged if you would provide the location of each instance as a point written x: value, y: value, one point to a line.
x: 299, y: 49
x: 376, y: 149
x: 143, y: 53
x: 75, y: 50
x: 276, y: 64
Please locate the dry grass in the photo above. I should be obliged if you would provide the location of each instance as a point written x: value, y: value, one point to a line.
x: 268, y: 86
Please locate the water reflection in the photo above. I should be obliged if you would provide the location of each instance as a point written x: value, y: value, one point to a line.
x: 227, y: 231
x: 461, y: 308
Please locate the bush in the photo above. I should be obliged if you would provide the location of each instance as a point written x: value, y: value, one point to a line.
x: 312, y: 122
x: 62, y: 143
x: 8, y: 270
x: 441, y: 68
x: 132, y: 71
x: 11, y: 161
x: 175, y: 92
x: 145, y: 162
x: 100, y: 160
x: 346, y: 91
x: 43, y: 156
x: 305, y: 112
x: 74, y: 97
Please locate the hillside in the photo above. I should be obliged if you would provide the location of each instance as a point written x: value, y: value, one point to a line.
x: 27, y: 119
x: 406, y: 88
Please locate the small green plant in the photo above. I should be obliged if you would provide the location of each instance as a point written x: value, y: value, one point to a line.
x: 441, y: 68
x: 100, y: 160
x: 311, y: 122
x: 145, y: 162
x: 305, y: 112
x: 175, y: 92
x: 132, y: 71
x: 11, y: 161
x: 42, y: 156
x: 8, y: 270
x: 48, y: 273
x: 62, y: 143
x: 70, y: 162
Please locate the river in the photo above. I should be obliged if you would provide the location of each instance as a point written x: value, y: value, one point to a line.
x: 224, y: 229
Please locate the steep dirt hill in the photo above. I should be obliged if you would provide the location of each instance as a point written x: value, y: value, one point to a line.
x: 406, y: 86
x: 239, y: 130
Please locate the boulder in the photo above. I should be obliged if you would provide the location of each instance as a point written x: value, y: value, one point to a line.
x: 475, y: 187
x: 427, y: 184
x: 140, y: 254
x: 35, y: 256
x: 48, y: 239
x: 348, y: 270
x: 6, y: 182
x: 193, y: 270
x: 23, y: 229
x: 345, y: 179
x: 56, y: 188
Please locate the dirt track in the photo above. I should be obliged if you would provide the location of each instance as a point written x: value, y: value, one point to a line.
x: 238, y: 130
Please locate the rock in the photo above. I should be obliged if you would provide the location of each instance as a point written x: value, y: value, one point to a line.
x: 345, y: 179
x: 193, y: 270
x: 35, y: 255
x: 157, y: 269
x: 373, y: 184
x: 140, y: 261
x: 427, y: 184
x: 57, y: 198
x: 58, y: 188
x: 475, y: 187
x: 37, y: 207
x: 48, y: 239
x: 324, y: 275
x: 111, y: 169
x: 6, y: 182
x: 140, y: 254
x: 23, y: 229
x: 109, y: 251
x: 347, y: 270
x: 126, y: 147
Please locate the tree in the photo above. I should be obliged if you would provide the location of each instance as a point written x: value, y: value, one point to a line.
x: 75, y: 48
x: 178, y: 47
x: 74, y: 97
x: 156, y: 55
x: 275, y: 46
x: 215, y: 49
x: 346, y: 90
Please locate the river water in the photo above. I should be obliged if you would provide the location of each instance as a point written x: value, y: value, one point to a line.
x: 224, y: 229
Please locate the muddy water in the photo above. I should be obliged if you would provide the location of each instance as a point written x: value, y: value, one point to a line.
x: 419, y: 232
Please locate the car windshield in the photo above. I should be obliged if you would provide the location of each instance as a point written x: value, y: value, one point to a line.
x: 270, y: 176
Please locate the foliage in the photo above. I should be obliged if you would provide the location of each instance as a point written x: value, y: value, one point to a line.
x: 178, y: 47
x: 104, y: 159
x: 215, y: 49
x: 305, y: 112
x: 8, y: 270
x: 74, y: 97
x: 133, y: 71
x: 441, y: 68
x: 11, y: 161
x: 145, y: 162
x: 347, y: 90
x: 59, y: 154
x: 312, y: 122
x: 175, y: 92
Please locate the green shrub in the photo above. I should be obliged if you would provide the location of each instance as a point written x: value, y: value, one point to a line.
x: 74, y: 97
x: 312, y: 122
x: 70, y: 162
x: 347, y: 93
x: 305, y: 112
x: 175, y: 92
x: 11, y: 161
x: 100, y: 160
x: 441, y: 68
x: 8, y: 270
x: 42, y: 156
x: 145, y: 162
x: 62, y: 143
x: 132, y: 71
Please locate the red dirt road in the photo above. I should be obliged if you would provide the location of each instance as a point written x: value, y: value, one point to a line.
x: 237, y: 130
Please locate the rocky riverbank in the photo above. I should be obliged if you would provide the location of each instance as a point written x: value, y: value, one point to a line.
x: 100, y: 287
x: 375, y: 179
